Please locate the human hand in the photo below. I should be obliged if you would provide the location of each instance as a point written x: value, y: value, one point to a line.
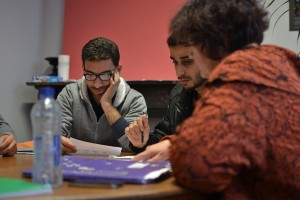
x: 111, y: 90
x: 135, y: 131
x: 8, y: 145
x: 67, y: 146
x: 155, y: 152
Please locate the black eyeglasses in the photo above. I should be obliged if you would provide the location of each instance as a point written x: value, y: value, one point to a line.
x: 103, y: 76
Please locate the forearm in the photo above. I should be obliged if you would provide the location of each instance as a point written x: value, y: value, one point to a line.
x: 111, y: 113
x: 119, y: 127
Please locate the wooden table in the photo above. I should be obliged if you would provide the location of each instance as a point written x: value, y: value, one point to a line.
x: 11, y: 167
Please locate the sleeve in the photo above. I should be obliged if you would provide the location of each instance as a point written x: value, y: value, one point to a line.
x: 119, y: 126
x: 137, y: 106
x: 176, y: 110
x: 179, y: 108
x: 5, y: 127
x: 65, y: 100
x: 223, y: 136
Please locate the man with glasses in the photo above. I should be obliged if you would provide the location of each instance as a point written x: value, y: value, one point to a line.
x: 99, y: 106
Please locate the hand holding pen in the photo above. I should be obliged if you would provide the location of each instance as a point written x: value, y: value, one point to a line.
x: 138, y: 132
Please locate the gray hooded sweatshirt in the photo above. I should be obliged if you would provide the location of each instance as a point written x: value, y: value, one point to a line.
x: 79, y: 119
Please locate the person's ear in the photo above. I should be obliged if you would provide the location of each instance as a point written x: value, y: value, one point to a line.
x: 119, y: 68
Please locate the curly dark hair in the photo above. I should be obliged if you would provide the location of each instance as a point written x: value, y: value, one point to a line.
x: 100, y: 49
x: 218, y: 26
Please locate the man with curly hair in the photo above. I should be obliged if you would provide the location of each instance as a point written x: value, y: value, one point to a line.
x: 242, y: 140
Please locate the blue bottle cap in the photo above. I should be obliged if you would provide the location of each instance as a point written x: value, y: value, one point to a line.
x: 47, y: 92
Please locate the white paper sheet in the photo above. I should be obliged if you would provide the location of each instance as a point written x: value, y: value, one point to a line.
x: 88, y: 148
x: 122, y: 157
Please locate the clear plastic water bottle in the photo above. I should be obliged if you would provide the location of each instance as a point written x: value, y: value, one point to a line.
x: 46, y: 124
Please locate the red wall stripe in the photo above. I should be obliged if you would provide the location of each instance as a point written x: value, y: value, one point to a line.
x: 139, y: 27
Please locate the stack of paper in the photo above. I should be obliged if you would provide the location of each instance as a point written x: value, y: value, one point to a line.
x: 87, y: 148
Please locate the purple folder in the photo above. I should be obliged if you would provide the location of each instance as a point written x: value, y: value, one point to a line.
x: 96, y: 169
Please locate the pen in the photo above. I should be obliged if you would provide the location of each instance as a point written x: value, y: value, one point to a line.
x: 142, y: 137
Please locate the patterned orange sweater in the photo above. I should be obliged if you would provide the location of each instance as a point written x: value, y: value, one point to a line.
x: 243, y: 138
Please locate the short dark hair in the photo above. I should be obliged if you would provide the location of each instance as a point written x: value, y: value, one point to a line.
x: 100, y: 49
x: 218, y: 26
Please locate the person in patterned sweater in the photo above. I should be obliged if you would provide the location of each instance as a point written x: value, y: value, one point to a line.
x: 242, y: 140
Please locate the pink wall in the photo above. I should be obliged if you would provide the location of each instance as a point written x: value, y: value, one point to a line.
x: 139, y: 28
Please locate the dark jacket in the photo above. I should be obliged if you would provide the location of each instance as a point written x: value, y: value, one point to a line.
x: 180, y: 107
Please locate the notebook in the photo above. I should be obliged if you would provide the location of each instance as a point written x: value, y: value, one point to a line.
x: 126, y: 171
x: 11, y: 188
x: 28, y: 151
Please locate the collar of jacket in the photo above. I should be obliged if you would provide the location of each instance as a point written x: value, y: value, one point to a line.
x: 267, y: 65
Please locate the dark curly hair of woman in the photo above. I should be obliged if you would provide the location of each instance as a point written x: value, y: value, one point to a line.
x: 219, y: 27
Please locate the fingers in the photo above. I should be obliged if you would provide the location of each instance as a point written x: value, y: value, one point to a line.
x: 155, y: 152
x: 135, y: 140
x: 161, y: 156
x: 115, y: 79
x: 161, y: 151
x: 11, y: 150
x: 133, y: 130
x: 140, y: 123
x: 135, y: 136
x: 150, y: 152
x: 67, y: 146
x: 3, y: 143
x: 146, y: 126
x: 137, y: 128
x: 116, y: 76
x: 8, y: 146
x: 144, y: 156
x: 106, y: 98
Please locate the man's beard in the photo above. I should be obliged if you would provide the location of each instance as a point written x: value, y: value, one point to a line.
x: 201, y: 81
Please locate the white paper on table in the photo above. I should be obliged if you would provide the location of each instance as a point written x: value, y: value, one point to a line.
x: 122, y: 157
x: 88, y: 148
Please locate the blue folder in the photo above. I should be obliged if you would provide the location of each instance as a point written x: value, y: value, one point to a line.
x: 125, y: 171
